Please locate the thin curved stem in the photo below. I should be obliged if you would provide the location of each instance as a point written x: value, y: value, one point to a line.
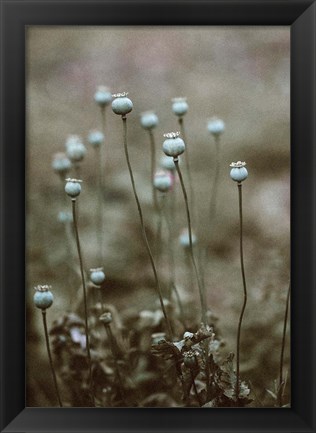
x: 188, y: 265
x: 201, y: 291
x: 281, y: 380
x: 172, y: 276
x: 158, y: 288
x: 159, y: 238
x: 187, y: 163
x: 74, y: 215
x: 50, y: 358
x: 244, y: 288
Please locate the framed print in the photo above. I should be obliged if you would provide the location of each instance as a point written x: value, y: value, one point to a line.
x: 157, y: 186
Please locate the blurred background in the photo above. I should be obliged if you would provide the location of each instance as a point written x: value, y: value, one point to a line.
x: 240, y: 74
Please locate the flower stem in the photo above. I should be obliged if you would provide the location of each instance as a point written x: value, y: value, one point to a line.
x: 244, y: 288
x: 201, y: 291
x: 104, y: 155
x: 50, y: 358
x: 172, y: 280
x: 213, y: 203
x: 70, y: 248
x: 187, y: 161
x: 158, y: 288
x: 102, y: 168
x: 172, y: 227
x: 281, y: 380
x: 74, y: 215
x: 159, y: 238
x: 188, y: 265
x: 99, y: 161
x: 170, y: 253
x: 153, y: 169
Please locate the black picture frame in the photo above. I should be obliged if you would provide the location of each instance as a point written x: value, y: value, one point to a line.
x: 301, y: 16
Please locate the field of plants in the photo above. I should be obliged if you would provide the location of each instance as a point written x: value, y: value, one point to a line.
x: 158, y: 217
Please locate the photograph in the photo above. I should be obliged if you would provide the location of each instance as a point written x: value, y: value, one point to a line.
x: 158, y: 216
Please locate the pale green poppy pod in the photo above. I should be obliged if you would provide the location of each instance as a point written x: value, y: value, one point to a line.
x: 103, y: 96
x: 61, y: 164
x: 76, y: 151
x: 71, y: 139
x: 149, y: 120
x: 238, y: 172
x: 167, y: 163
x: 162, y: 181
x: 96, y: 138
x: 97, y: 276
x: 180, y: 106
x: 73, y: 187
x: 43, y: 297
x: 173, y: 145
x: 216, y: 126
x: 121, y: 104
x: 64, y: 217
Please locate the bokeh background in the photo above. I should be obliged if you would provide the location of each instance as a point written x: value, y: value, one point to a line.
x: 241, y: 74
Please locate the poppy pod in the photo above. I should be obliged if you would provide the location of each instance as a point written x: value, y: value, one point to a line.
x: 173, y: 145
x: 121, y: 104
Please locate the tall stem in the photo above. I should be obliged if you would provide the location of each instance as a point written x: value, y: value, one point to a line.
x: 104, y: 155
x: 98, y: 154
x: 281, y: 380
x: 187, y: 163
x: 213, y: 203
x: 70, y: 248
x: 153, y: 169
x: 50, y: 358
x: 158, y: 288
x: 102, y: 168
x: 244, y: 287
x: 159, y: 236
x: 201, y: 291
x: 172, y: 276
x: 188, y: 265
x: 172, y: 279
x: 74, y: 215
x: 172, y: 226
